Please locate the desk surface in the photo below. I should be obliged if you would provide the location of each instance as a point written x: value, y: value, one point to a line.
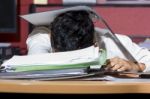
x: 32, y: 86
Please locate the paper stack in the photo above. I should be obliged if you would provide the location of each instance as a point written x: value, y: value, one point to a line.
x: 53, y: 61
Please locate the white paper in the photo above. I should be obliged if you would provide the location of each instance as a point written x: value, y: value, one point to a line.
x: 48, y: 16
x: 70, y: 57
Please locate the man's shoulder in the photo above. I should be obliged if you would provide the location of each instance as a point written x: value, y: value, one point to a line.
x: 40, y: 30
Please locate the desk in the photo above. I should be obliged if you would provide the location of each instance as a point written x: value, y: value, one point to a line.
x: 70, y: 87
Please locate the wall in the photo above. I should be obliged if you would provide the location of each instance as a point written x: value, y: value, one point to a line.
x: 124, y: 20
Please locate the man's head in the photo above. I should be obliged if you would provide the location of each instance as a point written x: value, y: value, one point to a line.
x: 72, y: 30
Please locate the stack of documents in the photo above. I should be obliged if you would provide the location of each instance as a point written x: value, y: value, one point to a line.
x: 53, y: 61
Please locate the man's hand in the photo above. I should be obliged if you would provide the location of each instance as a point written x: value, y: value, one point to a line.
x: 119, y: 64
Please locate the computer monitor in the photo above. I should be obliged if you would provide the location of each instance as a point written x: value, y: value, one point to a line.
x: 9, y: 20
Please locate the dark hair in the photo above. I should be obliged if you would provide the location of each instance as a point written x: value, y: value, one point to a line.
x: 72, y: 30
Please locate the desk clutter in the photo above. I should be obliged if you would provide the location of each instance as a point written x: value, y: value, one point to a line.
x: 52, y: 66
x: 77, y: 65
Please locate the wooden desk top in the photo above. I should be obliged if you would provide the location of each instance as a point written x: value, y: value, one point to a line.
x: 73, y: 87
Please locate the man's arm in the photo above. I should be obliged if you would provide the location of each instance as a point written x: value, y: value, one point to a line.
x: 142, y: 56
x: 38, y: 43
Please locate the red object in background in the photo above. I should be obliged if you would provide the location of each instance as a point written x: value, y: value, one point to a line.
x: 55, y: 1
x: 130, y: 20
x: 24, y: 6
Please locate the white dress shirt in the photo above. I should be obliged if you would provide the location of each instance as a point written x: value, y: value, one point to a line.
x: 40, y: 43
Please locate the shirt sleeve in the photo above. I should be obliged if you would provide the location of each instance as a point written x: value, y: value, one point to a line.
x: 38, y: 43
x: 142, y: 55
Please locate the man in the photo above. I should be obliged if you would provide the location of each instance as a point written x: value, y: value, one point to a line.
x: 72, y: 29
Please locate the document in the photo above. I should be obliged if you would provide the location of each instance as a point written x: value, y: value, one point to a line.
x: 59, y: 60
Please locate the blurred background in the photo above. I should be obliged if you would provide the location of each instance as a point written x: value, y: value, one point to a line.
x: 129, y: 17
